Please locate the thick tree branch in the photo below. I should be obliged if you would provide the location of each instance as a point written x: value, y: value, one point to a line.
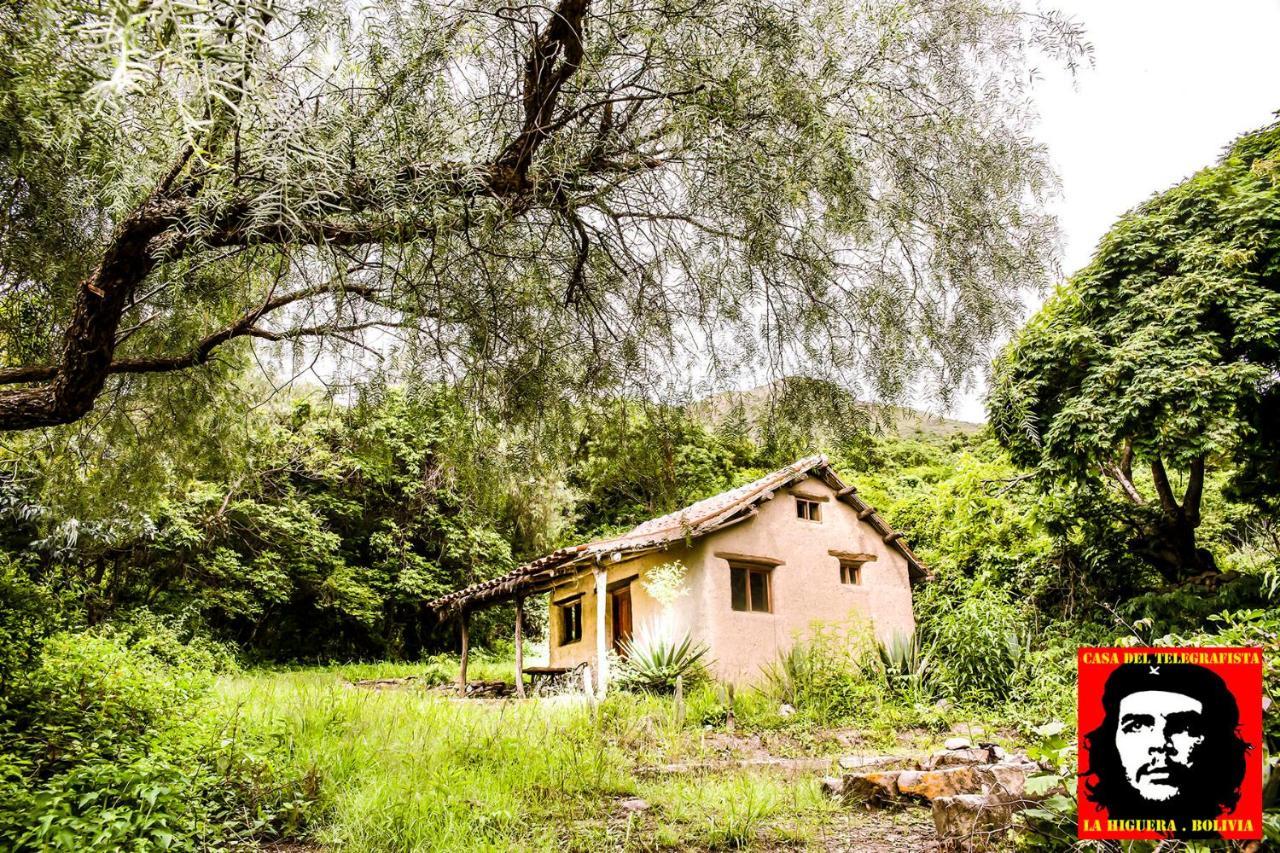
x: 1165, y: 491
x: 555, y: 56
x: 1194, y: 493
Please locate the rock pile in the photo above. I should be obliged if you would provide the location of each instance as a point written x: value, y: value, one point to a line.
x: 974, y: 791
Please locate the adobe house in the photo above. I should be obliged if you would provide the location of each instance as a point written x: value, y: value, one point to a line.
x: 765, y: 561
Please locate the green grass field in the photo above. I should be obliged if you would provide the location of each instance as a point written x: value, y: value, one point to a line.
x: 413, y: 769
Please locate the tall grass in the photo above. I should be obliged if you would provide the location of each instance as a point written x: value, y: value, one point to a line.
x: 415, y: 769
x: 411, y: 770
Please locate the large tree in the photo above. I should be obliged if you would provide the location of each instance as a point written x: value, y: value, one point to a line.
x: 1161, y: 359
x: 538, y: 198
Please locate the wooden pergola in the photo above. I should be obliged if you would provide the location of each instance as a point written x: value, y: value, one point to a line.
x: 699, y: 519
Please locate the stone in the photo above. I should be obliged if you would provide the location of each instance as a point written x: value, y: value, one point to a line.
x: 1007, y: 780
x: 953, y: 757
x: 786, y: 710
x: 875, y: 787
x: 864, y: 762
x: 832, y: 786
x: 634, y: 804
x: 957, y: 743
x: 972, y: 821
x: 931, y: 784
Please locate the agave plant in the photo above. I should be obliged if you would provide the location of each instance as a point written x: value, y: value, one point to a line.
x: 654, y: 662
x: 906, y: 664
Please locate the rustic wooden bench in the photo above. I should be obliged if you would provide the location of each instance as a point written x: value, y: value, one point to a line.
x: 549, y: 677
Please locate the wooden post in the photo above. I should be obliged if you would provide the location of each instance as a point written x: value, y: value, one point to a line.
x: 520, y: 646
x: 462, y: 667
x: 602, y: 634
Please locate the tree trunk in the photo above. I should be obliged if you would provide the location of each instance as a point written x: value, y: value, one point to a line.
x: 1169, y: 544
x: 1168, y: 539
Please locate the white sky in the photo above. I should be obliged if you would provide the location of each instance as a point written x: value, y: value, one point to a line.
x: 1173, y: 83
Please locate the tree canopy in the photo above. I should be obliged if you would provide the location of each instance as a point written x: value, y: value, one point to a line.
x: 532, y: 200
x: 1162, y: 354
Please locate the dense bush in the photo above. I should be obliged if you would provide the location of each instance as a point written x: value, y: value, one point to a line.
x: 977, y: 639
x: 107, y: 747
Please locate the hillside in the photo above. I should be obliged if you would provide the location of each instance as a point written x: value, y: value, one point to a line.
x: 903, y: 422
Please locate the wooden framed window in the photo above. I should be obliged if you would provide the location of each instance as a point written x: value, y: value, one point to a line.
x: 808, y: 510
x: 570, y: 621
x: 850, y: 572
x: 749, y: 588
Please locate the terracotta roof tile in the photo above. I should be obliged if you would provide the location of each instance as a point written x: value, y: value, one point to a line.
x: 697, y: 519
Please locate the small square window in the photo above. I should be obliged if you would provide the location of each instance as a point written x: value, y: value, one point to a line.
x: 749, y: 589
x: 571, y: 622
x: 850, y: 573
x: 808, y: 510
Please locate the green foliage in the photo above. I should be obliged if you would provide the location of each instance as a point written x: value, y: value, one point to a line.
x: 827, y: 677
x: 1160, y: 356
x: 108, y: 747
x: 653, y: 662
x: 634, y: 462
x: 327, y: 545
x: 978, y: 639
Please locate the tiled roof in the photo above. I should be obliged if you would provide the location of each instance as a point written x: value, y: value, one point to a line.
x: 697, y: 519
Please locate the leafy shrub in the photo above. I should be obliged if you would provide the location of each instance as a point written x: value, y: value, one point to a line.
x: 653, y: 663
x: 107, y: 746
x: 828, y: 677
x: 977, y: 641
x: 29, y: 614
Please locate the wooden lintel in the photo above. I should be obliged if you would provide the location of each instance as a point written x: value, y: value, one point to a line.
x: 748, y: 558
x: 852, y: 556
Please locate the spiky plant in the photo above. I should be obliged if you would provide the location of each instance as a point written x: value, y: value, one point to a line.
x: 654, y: 662
x: 906, y: 662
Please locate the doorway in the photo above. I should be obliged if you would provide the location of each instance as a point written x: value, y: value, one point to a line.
x: 620, y: 603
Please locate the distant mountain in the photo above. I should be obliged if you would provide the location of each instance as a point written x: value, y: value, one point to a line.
x: 900, y: 421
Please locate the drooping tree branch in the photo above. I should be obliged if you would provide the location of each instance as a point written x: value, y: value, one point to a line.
x: 202, y: 352
x: 155, y: 231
